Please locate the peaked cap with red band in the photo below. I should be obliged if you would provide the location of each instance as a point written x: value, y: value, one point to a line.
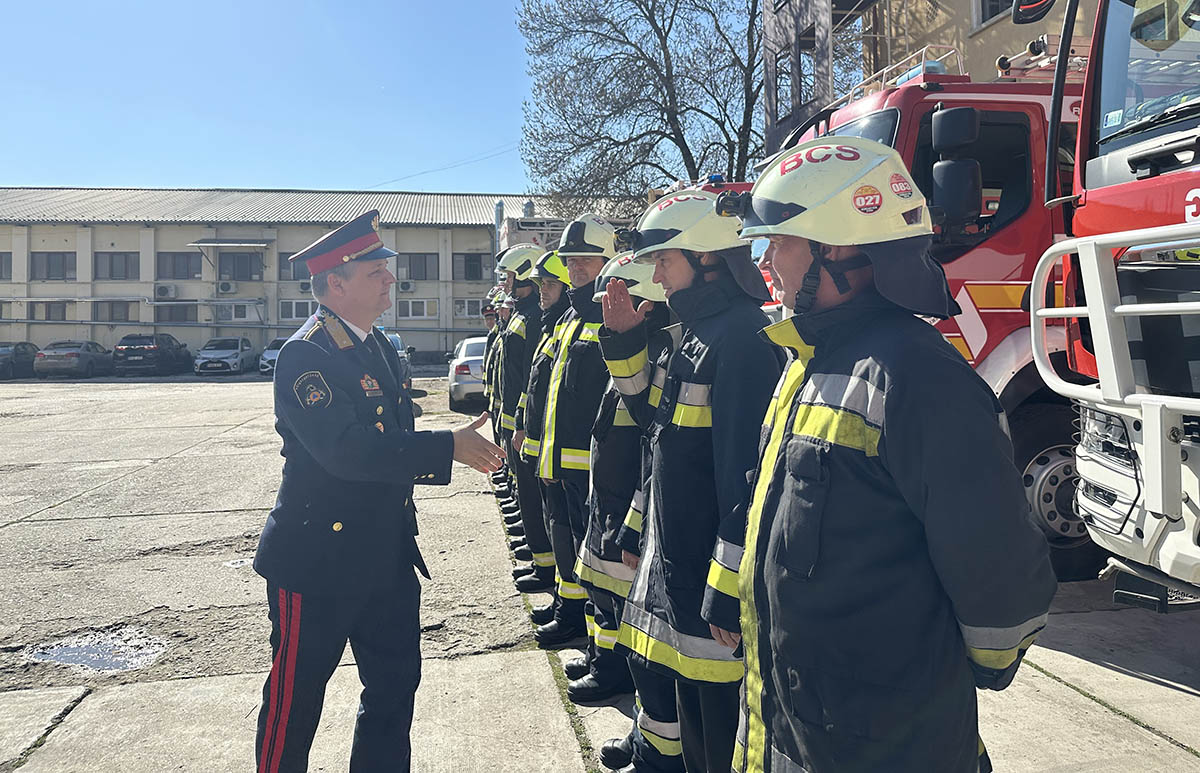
x: 357, y: 240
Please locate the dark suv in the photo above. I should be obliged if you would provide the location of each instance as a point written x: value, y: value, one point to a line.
x: 155, y: 353
x: 16, y: 359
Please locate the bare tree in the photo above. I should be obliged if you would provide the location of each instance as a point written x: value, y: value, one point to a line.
x: 634, y: 94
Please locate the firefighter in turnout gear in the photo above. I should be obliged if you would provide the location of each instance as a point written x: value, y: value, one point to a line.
x: 577, y: 382
x: 700, y: 403
x: 517, y: 264
x: 553, y: 282
x: 890, y: 564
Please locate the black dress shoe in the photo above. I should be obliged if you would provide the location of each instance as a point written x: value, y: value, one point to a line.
x: 616, y: 753
x: 587, y: 690
x: 521, y: 571
x: 516, y: 530
x: 575, y: 668
x: 523, y: 553
x: 535, y: 583
x: 543, y: 614
x: 556, y: 633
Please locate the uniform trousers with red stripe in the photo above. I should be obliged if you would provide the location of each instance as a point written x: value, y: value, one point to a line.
x: 308, y: 636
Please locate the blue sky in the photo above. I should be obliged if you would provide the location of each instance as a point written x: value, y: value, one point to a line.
x: 264, y: 94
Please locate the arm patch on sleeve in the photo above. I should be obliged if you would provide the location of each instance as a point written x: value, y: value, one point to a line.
x: 312, y: 391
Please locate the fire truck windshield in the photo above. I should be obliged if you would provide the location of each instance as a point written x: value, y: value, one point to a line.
x: 1149, y: 75
x: 880, y: 126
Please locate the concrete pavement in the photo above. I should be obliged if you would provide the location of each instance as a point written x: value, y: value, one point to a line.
x: 129, y: 510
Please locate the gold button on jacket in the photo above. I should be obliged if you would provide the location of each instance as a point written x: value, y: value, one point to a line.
x: 337, y: 525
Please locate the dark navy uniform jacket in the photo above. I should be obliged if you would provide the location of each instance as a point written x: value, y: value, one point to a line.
x: 344, y: 520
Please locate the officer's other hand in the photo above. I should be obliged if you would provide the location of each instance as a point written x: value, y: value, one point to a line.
x: 619, y: 314
x: 474, y: 450
x: 518, y: 441
x: 630, y: 559
x: 727, y: 638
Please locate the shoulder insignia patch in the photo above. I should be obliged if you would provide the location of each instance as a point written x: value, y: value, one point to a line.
x: 337, y: 331
x: 318, y: 325
x: 312, y: 391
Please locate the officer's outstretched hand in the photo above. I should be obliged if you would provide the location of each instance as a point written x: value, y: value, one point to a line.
x: 728, y: 638
x: 619, y: 314
x: 474, y: 450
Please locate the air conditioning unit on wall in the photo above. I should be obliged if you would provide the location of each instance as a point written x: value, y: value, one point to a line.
x: 226, y: 288
x: 165, y: 291
x: 306, y: 287
x: 406, y: 286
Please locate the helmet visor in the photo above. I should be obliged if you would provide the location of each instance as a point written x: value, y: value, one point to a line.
x: 760, y: 212
x: 574, y: 243
x: 641, y: 241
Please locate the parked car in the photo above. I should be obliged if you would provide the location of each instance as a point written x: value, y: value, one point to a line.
x: 405, y: 358
x: 466, y: 371
x: 73, y: 358
x: 16, y: 359
x: 160, y: 353
x: 266, y: 361
x: 225, y: 355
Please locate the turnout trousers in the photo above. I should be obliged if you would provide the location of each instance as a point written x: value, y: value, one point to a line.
x: 529, y: 499
x: 308, y: 635
x: 708, y: 719
x: 655, y: 734
x: 571, y: 597
x: 605, y: 663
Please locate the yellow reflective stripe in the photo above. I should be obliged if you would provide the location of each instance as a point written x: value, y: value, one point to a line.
x: 836, y: 426
x: 571, y: 590
x: 591, y: 332
x: 546, y: 454
x: 523, y: 400
x: 575, y: 459
x: 739, y: 753
x: 508, y: 421
x: 665, y: 746
x: 601, y: 580
x: 623, y: 418
x: 543, y: 559
x: 530, y: 446
x: 692, y: 416
x: 633, y: 520
x: 630, y: 367
x: 722, y: 579
x: 590, y: 623
x: 699, y: 669
x: 655, y: 396
x: 1000, y: 659
x: 756, y: 732
x: 517, y: 326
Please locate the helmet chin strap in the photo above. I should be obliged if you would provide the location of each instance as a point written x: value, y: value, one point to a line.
x: 806, y: 296
x: 701, y: 269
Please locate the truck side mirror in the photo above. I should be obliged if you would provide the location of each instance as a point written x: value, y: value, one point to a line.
x: 955, y: 128
x: 957, y: 191
x: 1024, y: 12
x: 410, y: 351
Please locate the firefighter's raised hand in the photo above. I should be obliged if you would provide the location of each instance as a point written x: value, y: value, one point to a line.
x: 727, y: 638
x: 619, y: 314
x: 630, y: 559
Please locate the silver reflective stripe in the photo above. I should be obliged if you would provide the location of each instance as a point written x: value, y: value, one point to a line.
x: 660, y: 377
x: 728, y: 555
x: 615, y: 569
x: 634, y: 384
x: 1001, y: 638
x: 781, y: 763
x: 659, y: 630
x: 839, y: 390
x: 639, y: 499
x: 668, y: 730
x: 694, y: 394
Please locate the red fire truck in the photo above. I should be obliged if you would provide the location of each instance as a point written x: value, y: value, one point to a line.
x: 1132, y: 292
x: 978, y: 151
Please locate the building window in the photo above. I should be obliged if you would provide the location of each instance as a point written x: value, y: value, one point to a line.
x: 473, y: 266
x: 293, y: 310
x: 52, y: 265
x: 113, y: 311
x: 417, y: 266
x: 467, y: 308
x: 240, y: 266
x: 226, y: 312
x: 422, y: 309
x: 990, y: 9
x: 5, y: 266
x: 52, y: 311
x: 176, y: 312
x: 178, y: 265
x: 783, y: 85
x: 289, y: 271
x: 4, y: 311
x: 116, y: 265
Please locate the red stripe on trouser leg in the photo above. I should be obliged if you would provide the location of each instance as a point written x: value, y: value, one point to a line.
x: 264, y: 759
x: 290, y: 676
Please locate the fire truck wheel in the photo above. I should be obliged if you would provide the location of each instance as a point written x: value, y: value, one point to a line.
x: 1043, y: 449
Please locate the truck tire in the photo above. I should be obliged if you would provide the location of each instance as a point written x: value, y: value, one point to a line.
x: 1044, y: 453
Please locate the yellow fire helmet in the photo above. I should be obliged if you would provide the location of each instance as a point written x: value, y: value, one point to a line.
x: 520, y: 259
x: 682, y: 221
x: 638, y: 279
x: 849, y: 191
x: 587, y: 236
x: 550, y: 266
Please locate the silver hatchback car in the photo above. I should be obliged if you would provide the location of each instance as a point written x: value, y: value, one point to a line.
x: 73, y: 358
x: 466, y: 371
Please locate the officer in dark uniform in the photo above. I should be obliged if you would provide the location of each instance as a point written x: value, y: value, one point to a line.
x: 339, y: 548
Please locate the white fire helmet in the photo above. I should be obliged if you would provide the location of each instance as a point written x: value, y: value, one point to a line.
x: 638, y: 279
x: 587, y: 236
x: 684, y: 220
x: 520, y: 259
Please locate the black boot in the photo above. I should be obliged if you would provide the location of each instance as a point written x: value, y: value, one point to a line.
x: 503, y: 491
x: 588, y: 690
x: 535, y: 582
x: 523, y: 553
x: 543, y: 614
x: 517, y: 542
x: 616, y: 753
x: 516, y: 530
x: 510, y: 508
x: 522, y: 570
x: 557, y: 633
x: 511, y: 519
x: 575, y: 668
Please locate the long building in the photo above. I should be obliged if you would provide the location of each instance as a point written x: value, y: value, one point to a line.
x: 99, y: 263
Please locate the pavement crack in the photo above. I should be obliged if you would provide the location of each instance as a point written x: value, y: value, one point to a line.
x: 55, y: 721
